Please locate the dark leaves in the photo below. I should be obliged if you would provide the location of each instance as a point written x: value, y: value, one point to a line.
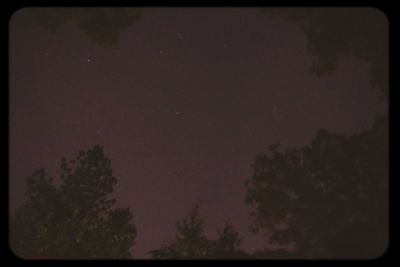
x: 311, y: 196
x: 102, y: 25
x: 76, y: 219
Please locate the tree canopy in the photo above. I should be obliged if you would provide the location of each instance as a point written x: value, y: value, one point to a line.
x: 191, y: 242
x: 102, y: 25
x: 348, y: 32
x: 328, y: 199
x: 74, y: 219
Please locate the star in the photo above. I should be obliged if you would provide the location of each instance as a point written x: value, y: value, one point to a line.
x: 88, y: 60
x: 177, y: 113
x: 161, y: 51
x: 275, y: 108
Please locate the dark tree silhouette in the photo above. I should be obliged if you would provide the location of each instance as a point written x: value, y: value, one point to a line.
x: 348, y: 32
x: 191, y: 243
x: 75, y: 219
x: 227, y: 244
x: 329, y: 199
x: 102, y: 25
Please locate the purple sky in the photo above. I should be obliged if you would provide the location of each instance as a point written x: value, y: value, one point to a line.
x: 182, y: 106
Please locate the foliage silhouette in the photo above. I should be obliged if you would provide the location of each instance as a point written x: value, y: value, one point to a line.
x: 102, y: 25
x: 329, y: 199
x: 348, y: 32
x: 76, y: 219
x: 191, y: 243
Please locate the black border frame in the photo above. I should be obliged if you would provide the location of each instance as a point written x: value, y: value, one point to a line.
x: 383, y: 5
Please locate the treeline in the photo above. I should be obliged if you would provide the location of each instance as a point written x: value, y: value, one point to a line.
x: 328, y: 199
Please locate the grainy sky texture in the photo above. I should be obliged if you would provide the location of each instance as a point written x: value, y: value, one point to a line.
x: 182, y: 105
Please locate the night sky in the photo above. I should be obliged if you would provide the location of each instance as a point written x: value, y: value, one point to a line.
x: 182, y: 105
